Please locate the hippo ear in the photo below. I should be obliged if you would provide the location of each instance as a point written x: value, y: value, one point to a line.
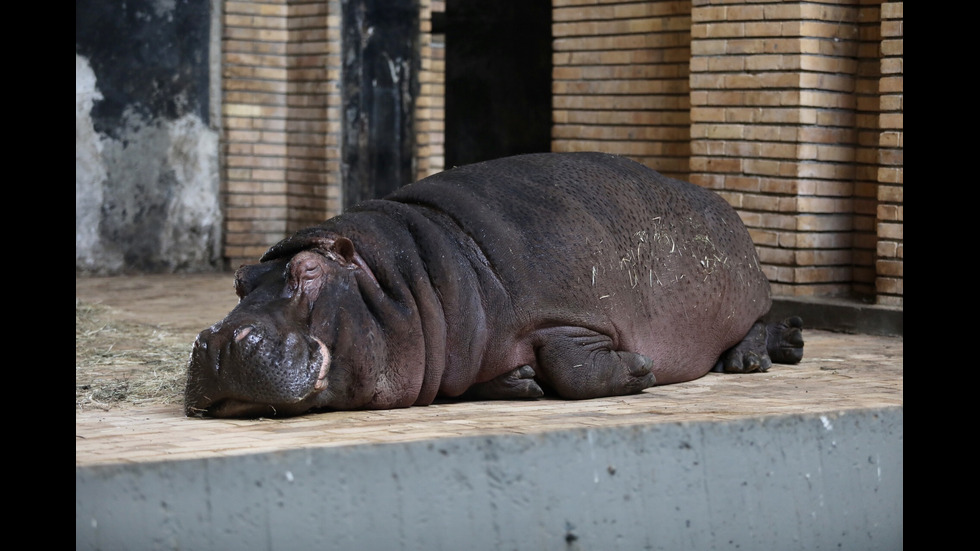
x: 341, y: 250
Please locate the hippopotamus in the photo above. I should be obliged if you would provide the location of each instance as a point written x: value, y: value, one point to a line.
x: 578, y: 275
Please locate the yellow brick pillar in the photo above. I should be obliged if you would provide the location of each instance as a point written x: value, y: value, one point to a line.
x: 430, y: 107
x: 280, y: 123
x: 784, y: 114
x: 889, y: 282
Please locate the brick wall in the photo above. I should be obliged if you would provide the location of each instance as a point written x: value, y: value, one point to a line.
x: 282, y: 121
x: 621, y: 80
x: 790, y: 110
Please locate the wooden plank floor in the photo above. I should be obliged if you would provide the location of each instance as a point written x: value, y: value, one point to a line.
x: 839, y: 372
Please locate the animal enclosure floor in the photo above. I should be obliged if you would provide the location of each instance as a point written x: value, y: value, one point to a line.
x: 839, y: 372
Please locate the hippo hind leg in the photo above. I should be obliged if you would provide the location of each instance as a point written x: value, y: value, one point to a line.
x: 578, y: 363
x: 512, y: 385
x: 780, y: 342
x: 784, y: 341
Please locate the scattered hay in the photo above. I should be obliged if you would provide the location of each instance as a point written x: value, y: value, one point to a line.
x: 119, y: 361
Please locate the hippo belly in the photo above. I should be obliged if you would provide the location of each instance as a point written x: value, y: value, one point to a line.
x: 584, y: 274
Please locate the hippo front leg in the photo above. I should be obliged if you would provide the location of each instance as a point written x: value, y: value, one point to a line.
x: 513, y: 385
x: 579, y: 363
x: 780, y: 342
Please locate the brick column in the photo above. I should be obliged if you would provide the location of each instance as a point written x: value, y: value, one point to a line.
x: 782, y: 125
x: 280, y: 62
x: 889, y: 265
x: 313, y: 124
x: 430, y: 109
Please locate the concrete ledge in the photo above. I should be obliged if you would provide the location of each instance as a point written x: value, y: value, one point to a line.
x: 848, y: 316
x: 779, y: 482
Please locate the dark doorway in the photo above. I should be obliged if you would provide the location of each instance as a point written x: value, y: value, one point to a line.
x: 380, y: 84
x: 498, y: 78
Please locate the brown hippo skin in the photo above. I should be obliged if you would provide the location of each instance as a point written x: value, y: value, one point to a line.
x: 583, y: 274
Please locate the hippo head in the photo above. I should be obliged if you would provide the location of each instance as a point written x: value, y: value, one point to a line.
x: 287, y: 346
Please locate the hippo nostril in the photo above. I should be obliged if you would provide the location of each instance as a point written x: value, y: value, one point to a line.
x: 203, y: 338
x: 294, y: 341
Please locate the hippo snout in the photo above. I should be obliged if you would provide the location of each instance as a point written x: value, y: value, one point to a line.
x: 251, y: 370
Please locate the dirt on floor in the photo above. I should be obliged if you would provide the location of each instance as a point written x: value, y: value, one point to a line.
x: 133, y: 334
x: 133, y: 337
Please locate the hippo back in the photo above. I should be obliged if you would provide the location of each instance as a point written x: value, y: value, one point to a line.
x: 599, y: 241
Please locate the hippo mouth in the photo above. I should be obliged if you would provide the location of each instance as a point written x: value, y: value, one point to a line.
x: 250, y: 375
x: 237, y: 409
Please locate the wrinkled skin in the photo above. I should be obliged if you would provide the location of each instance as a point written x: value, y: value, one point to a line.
x: 579, y: 274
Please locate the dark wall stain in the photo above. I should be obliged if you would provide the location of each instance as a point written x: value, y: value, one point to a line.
x: 379, y: 89
x: 154, y: 205
x: 150, y: 56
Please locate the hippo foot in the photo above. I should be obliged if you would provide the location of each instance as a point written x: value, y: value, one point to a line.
x: 748, y: 356
x: 784, y: 340
x: 516, y: 384
x: 764, y: 344
x: 578, y: 364
x: 639, y: 371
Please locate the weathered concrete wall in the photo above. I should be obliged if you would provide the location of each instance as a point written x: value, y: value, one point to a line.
x: 146, y: 153
x: 778, y: 482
